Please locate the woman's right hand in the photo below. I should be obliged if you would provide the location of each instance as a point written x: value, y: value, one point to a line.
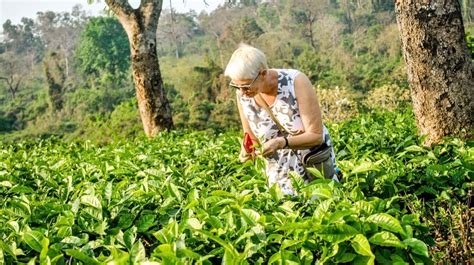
x: 244, y: 156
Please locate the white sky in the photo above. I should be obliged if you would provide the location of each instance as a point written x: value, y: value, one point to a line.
x: 16, y: 9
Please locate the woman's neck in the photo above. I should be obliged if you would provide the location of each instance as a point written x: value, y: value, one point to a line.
x: 271, y: 83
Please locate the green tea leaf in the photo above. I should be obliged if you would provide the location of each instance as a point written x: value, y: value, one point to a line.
x: 14, y: 226
x: 415, y: 148
x: 175, y: 191
x: 345, y: 258
x: 137, y: 253
x: 6, y: 184
x: 296, y: 180
x: 108, y: 191
x: 215, y: 222
x: 73, y: 240
x: 386, y: 222
x: 417, y: 246
x: 33, y: 239
x: 194, y: 223
x: 363, y: 260
x: 125, y: 220
x: 188, y: 253
x: 6, y: 248
x: 289, y: 243
x: 318, y: 192
x: 228, y: 248
x: 366, y: 166
x: 44, y: 259
x: 361, y: 246
x: 338, y: 215
x: 91, y: 201
x: 315, y: 172
x: 276, y: 193
x: 129, y: 237
x: 386, y: 239
x: 145, y: 222
x: 81, y: 256
x: 335, y: 233
x: 250, y: 216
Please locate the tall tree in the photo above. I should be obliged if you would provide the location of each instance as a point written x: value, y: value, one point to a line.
x: 175, y: 30
x: 23, y: 40
x: 13, y: 71
x: 103, y: 49
x: 60, y: 31
x: 55, y: 74
x: 304, y: 14
x: 440, y: 70
x: 141, y: 25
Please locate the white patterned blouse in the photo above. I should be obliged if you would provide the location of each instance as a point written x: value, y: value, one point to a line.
x: 285, y: 108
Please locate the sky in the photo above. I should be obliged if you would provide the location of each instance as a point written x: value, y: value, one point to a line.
x: 16, y: 9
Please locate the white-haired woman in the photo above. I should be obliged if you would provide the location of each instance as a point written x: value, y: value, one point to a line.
x: 290, y: 96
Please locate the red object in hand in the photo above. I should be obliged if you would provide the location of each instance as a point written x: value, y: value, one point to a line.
x: 248, y: 143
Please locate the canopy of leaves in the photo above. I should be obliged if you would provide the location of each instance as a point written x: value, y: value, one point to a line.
x: 103, y: 48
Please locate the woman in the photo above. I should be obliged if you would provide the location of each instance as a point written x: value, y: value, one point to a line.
x: 293, y: 101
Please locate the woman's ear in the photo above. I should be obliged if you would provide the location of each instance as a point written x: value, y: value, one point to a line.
x: 263, y: 72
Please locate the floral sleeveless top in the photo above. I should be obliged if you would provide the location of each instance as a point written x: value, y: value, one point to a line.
x: 285, y: 109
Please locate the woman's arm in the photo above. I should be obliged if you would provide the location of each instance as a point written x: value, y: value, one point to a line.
x: 310, y: 113
x: 246, y: 128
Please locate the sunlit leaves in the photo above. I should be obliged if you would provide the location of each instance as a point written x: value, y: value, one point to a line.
x: 417, y: 246
x: 33, y: 239
x: 92, y: 201
x: 184, y: 198
x: 387, y: 222
x: 361, y: 246
x: 387, y: 239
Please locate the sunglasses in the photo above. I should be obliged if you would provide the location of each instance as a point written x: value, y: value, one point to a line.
x: 244, y: 87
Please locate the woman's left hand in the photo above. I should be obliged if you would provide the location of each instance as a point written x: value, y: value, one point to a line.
x: 271, y: 146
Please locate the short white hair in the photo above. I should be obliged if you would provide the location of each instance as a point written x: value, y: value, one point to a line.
x: 245, y: 63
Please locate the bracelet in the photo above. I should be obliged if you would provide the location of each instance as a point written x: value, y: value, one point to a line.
x: 286, y: 142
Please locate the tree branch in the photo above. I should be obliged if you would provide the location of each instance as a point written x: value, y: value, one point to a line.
x: 151, y: 10
x: 120, y: 7
x: 18, y: 84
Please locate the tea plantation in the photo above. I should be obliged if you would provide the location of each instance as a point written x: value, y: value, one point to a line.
x: 184, y: 198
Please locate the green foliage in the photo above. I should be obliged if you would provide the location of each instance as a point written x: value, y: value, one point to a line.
x: 470, y: 43
x: 21, y: 38
x: 6, y: 122
x: 96, y: 102
x: 55, y: 79
x: 338, y: 103
x: 123, y: 122
x: 388, y: 97
x: 103, y: 48
x: 183, y: 197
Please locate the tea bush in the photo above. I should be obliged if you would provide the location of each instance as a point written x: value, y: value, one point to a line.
x: 183, y: 197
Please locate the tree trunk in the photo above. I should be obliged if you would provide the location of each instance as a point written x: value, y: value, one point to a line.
x: 310, y: 29
x: 55, y: 79
x: 140, y: 25
x: 440, y: 71
x: 12, y: 87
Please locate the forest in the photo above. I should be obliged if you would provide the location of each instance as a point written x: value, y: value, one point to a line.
x: 81, y: 182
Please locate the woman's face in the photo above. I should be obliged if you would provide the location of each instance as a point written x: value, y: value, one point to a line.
x: 247, y: 87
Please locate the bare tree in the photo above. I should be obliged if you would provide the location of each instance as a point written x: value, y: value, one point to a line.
x: 12, y: 72
x: 175, y: 29
x: 440, y: 70
x: 60, y: 31
x: 141, y: 25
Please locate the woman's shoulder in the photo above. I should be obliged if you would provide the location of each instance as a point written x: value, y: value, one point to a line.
x: 292, y: 73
